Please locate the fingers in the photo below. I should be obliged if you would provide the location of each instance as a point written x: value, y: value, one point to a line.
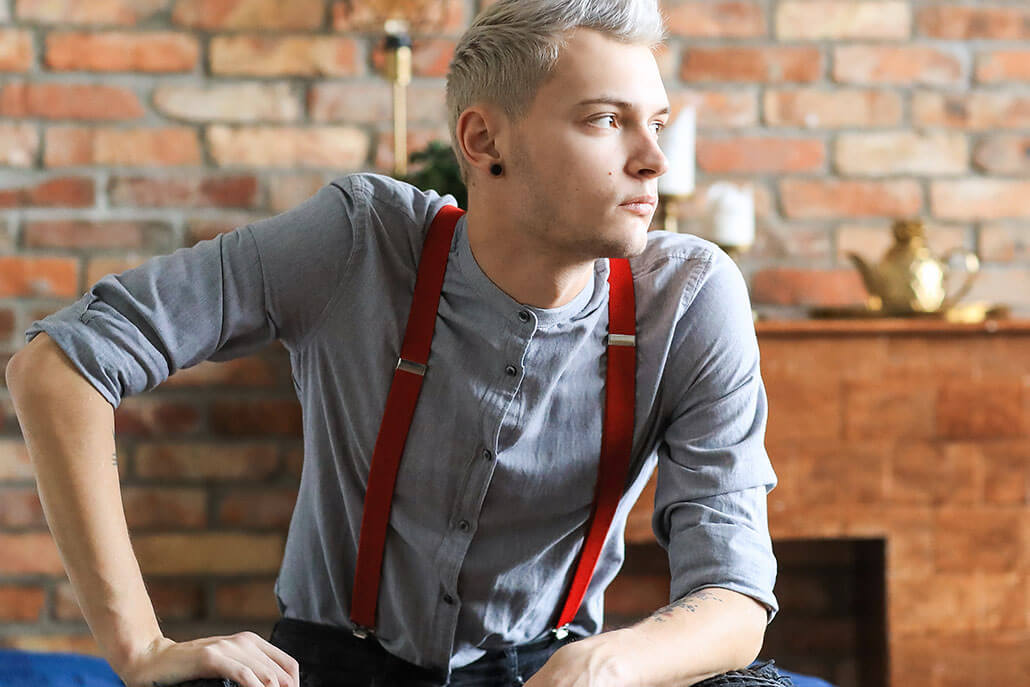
x: 248, y: 659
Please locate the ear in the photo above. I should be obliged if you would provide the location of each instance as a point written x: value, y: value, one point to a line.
x: 476, y: 131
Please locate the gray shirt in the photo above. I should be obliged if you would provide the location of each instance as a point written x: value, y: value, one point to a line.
x: 497, y: 481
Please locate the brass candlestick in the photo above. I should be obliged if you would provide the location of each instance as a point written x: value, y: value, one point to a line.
x: 398, y: 70
x: 668, y: 211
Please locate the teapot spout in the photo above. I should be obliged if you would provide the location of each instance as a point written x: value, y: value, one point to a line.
x: 870, y: 277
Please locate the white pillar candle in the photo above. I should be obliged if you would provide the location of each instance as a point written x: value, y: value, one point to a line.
x: 677, y: 143
x: 730, y: 215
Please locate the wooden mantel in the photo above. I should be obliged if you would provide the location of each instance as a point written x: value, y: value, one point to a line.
x: 916, y: 432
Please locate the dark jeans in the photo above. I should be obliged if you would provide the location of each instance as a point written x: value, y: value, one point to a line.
x: 333, y: 657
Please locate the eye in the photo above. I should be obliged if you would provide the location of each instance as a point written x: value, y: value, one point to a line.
x: 607, y: 116
x: 660, y: 126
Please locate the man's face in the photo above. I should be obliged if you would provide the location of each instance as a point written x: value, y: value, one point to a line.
x: 574, y: 164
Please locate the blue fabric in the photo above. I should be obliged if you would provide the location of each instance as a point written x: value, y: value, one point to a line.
x: 804, y: 680
x: 35, y: 669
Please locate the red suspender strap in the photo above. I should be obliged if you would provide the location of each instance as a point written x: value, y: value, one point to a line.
x: 617, y: 440
x: 400, y: 408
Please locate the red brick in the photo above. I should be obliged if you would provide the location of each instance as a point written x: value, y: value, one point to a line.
x: 69, y: 101
x: 172, y: 600
x: 218, y: 15
x: 340, y: 147
x: 900, y: 65
x: 430, y: 57
x: 804, y: 198
x: 887, y: 153
x: 963, y: 23
x: 15, y: 50
x: 980, y: 410
x: 258, y: 508
x: 206, y: 461
x: 718, y: 109
x: 978, y: 199
x: 169, y: 146
x: 1005, y: 242
x: 19, y: 144
x: 852, y: 358
x: 97, y: 12
x: 983, y: 110
x: 1003, y: 155
x: 247, y: 600
x: 286, y: 191
x: 936, y: 603
x: 62, y: 643
x: 201, y: 228
x: 53, y: 192
x: 760, y: 155
x: 758, y: 64
x: 20, y: 507
x: 122, y: 52
x: 97, y: 267
x: 14, y: 461
x: 935, y: 473
x: 885, y: 408
x: 277, y: 55
x: 802, y: 408
x: 842, y: 472
x: 910, y: 544
x: 978, y: 539
x: 294, y: 462
x: 872, y: 242
x: 242, y: 102
x: 1003, y: 65
x: 21, y: 603
x: 417, y: 139
x: 821, y: 109
x: 100, y: 234
x: 164, y: 507
x: 260, y: 417
x: 446, y: 16
x: 34, y: 277
x: 716, y: 19
x: 6, y: 332
x: 815, y: 19
x: 778, y: 240
x: 208, y: 553
x: 142, y: 416
x: 808, y: 287
x: 371, y: 102
x: 29, y: 553
x: 193, y: 190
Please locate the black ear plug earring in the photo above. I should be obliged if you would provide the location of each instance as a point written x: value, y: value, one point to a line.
x: 496, y: 169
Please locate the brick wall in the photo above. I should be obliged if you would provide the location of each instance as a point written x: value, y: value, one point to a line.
x: 129, y: 128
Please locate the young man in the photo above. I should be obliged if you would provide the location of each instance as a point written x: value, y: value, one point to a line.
x: 555, y: 112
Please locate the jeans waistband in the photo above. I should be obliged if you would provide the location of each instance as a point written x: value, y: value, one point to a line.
x: 326, y: 643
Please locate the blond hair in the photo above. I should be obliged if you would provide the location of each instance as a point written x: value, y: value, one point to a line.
x: 512, y: 47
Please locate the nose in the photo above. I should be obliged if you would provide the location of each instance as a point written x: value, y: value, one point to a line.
x: 648, y: 158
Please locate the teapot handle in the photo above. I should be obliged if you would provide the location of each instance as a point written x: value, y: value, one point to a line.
x: 972, y: 268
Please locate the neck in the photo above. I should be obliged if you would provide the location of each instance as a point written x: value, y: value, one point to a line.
x: 525, y: 270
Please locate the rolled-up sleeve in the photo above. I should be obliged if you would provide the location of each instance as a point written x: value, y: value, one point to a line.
x: 218, y: 299
x: 713, y: 472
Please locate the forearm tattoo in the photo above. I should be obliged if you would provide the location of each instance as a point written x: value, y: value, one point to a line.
x: 114, y: 453
x: 689, y: 603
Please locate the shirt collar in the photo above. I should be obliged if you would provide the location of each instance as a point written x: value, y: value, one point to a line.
x: 585, y: 301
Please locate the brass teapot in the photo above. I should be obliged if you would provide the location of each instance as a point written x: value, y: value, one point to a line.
x: 910, y: 279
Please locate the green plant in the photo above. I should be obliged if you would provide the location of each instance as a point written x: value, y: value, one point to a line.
x: 437, y: 169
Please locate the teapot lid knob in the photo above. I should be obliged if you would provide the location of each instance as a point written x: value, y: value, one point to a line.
x: 908, y: 229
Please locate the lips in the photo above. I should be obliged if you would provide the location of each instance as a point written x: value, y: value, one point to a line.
x: 642, y: 200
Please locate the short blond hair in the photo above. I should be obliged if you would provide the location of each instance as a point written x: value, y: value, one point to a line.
x: 512, y: 47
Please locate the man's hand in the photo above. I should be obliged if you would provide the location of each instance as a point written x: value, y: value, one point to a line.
x: 244, y: 657
x: 589, y: 662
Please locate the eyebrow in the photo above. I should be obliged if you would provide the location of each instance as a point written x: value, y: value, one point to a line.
x: 608, y: 100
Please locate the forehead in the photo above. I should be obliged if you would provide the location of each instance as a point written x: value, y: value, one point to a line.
x: 591, y: 65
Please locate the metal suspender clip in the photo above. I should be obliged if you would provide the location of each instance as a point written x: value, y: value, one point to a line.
x: 410, y: 366
x: 560, y: 632
x: 622, y: 340
x: 362, y: 632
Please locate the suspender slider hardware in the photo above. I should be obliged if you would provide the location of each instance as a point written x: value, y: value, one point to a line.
x: 622, y: 340
x: 412, y: 367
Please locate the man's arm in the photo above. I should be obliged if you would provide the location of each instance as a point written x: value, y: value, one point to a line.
x: 68, y: 429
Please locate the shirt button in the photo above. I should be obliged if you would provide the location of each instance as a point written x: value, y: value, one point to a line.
x: 487, y: 455
x: 448, y: 599
x: 524, y: 316
x: 511, y: 370
x: 464, y: 526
